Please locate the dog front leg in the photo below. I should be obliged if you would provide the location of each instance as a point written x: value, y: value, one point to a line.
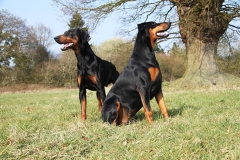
x: 100, y: 102
x: 83, y: 102
x: 102, y: 97
x: 161, y: 104
x: 145, y: 98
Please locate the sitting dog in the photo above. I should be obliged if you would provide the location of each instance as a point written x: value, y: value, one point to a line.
x: 93, y: 73
x: 140, y: 80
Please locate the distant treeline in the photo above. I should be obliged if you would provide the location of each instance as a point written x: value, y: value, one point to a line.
x: 25, y: 57
x: 61, y: 71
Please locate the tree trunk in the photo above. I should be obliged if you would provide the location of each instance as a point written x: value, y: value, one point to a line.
x: 201, y: 25
x: 202, y: 69
x: 201, y: 62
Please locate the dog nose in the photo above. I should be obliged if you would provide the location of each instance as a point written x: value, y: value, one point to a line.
x: 56, y: 38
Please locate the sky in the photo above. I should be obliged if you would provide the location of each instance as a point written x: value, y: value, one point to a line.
x: 44, y: 12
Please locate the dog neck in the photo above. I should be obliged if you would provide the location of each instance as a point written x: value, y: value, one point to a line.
x: 144, y: 45
x: 84, y: 52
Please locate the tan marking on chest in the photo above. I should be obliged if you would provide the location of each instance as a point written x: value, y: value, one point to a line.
x: 153, y: 71
x: 93, y: 79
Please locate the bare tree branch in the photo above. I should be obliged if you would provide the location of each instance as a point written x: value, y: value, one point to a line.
x: 129, y: 12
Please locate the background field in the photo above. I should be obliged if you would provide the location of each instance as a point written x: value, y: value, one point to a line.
x: 46, y: 125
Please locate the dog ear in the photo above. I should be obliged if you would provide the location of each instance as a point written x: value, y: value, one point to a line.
x: 141, y: 26
x: 85, y: 36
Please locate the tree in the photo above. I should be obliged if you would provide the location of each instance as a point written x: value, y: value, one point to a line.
x: 40, y: 35
x: 23, y: 49
x: 13, y: 46
x: 230, y: 63
x: 77, y: 22
x: 200, y: 22
x: 67, y: 68
x: 40, y: 39
x: 201, y: 25
x: 23, y: 68
x: 158, y: 48
x: 116, y: 51
x: 10, y: 36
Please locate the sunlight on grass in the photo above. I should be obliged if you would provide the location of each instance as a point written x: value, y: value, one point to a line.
x: 46, y: 125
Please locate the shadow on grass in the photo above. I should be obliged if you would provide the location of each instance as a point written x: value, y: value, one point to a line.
x: 176, y: 111
x: 158, y: 115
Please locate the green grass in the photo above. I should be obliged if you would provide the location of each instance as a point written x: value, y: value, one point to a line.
x: 46, y: 125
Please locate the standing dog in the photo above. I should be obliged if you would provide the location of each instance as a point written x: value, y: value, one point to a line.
x: 140, y: 80
x: 93, y: 73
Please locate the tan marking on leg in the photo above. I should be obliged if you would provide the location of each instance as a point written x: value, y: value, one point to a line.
x: 83, y: 109
x: 99, y: 103
x: 148, y: 113
x: 160, y: 100
x: 79, y: 80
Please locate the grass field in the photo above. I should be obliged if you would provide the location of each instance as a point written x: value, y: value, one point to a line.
x: 46, y: 125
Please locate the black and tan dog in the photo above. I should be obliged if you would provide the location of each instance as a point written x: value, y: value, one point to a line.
x: 93, y: 73
x: 140, y: 80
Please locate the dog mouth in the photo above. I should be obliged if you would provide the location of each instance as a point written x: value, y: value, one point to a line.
x: 66, y: 46
x: 162, y: 34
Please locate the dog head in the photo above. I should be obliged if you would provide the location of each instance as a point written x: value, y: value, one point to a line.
x: 154, y: 30
x: 114, y: 113
x: 72, y: 38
